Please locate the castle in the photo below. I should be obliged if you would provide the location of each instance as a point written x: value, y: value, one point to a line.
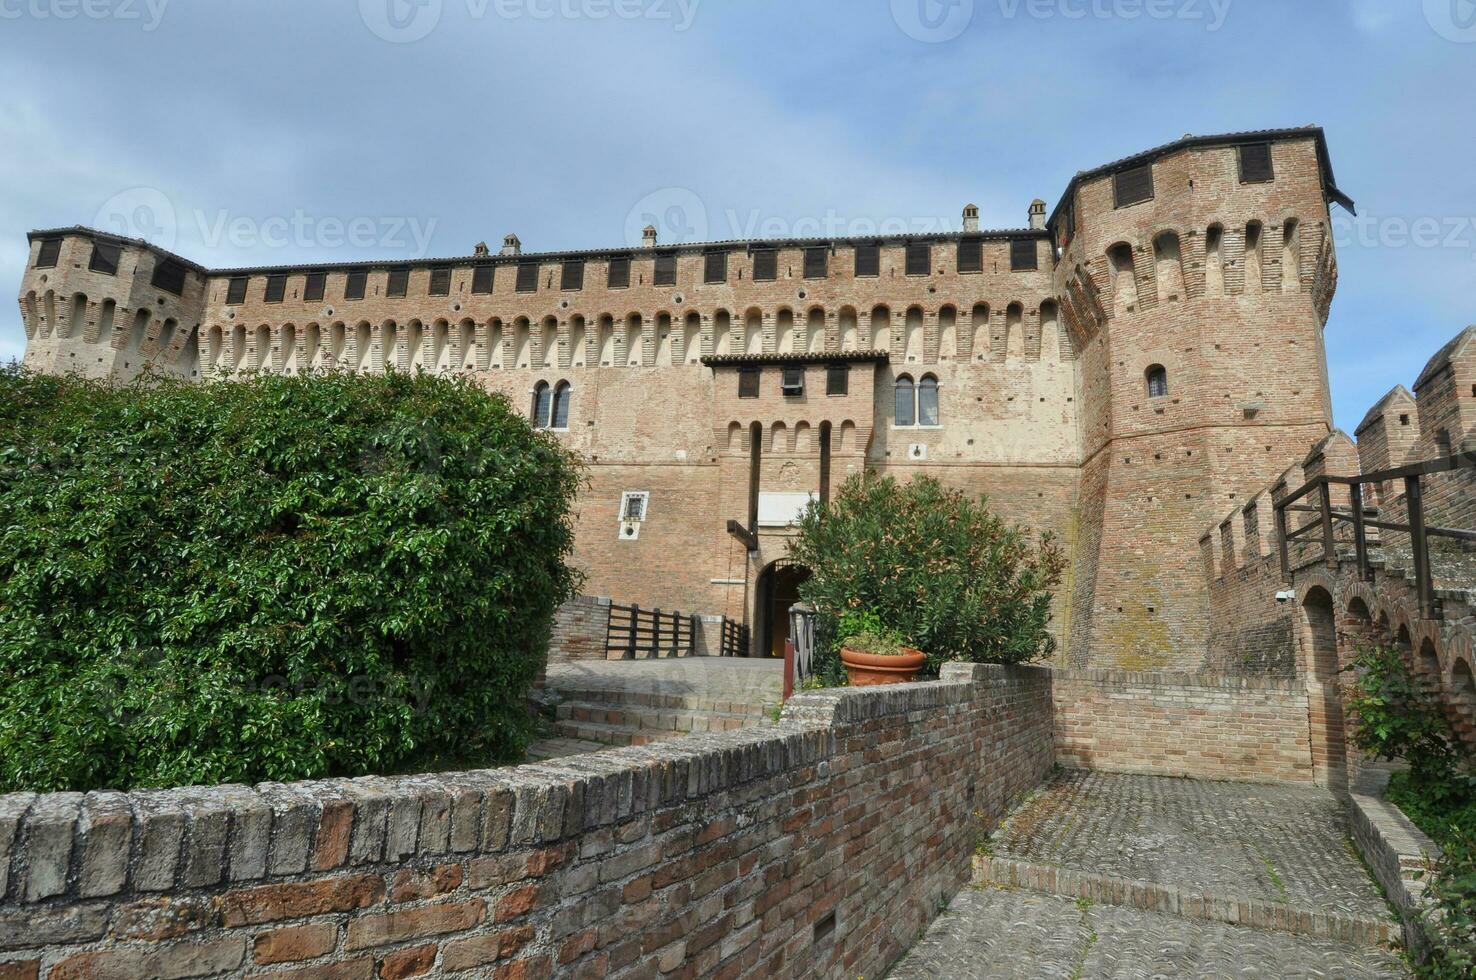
x: 1122, y: 372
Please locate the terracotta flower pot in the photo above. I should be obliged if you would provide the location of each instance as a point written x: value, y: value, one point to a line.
x: 867, y: 669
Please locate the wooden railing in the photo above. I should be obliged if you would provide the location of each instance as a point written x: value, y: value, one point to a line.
x: 734, y: 642
x: 648, y: 633
x: 1361, y: 518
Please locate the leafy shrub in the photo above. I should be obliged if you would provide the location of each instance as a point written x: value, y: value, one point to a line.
x: 863, y: 631
x: 939, y: 567
x: 1396, y: 719
x: 270, y: 578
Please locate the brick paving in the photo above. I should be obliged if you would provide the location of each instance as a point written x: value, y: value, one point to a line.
x: 998, y: 934
x: 1287, y: 844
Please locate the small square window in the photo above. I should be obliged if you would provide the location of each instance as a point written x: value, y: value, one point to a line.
x: 817, y: 263
x: 919, y: 259
x: 276, y: 288
x: 837, y: 379
x: 316, y: 285
x: 633, y: 505
x: 527, y: 277
x: 49, y: 254
x: 792, y: 381
x: 619, y: 272
x: 748, y: 383
x: 666, y: 269
x: 399, y: 282
x: 868, y: 261
x: 169, y: 275
x: 354, y: 286
x: 1024, y: 256
x: 1255, y: 163
x: 104, y: 259
x: 571, y: 279
x: 236, y: 291
x: 440, y: 282
x: 1132, y: 186
x: 715, y: 267
x: 765, y: 265
x: 482, y: 277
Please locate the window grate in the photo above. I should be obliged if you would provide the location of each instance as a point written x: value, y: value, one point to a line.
x: 236, y: 291
x: 49, y: 254
x: 316, y: 285
x: 971, y: 255
x: 440, y: 282
x: 482, y: 278
x: 527, y: 277
x: 354, y: 287
x: 169, y: 275
x: 868, y: 261
x: 792, y: 381
x: 919, y: 259
x: 1024, y: 256
x: 399, y: 282
x: 1133, y: 186
x: 104, y: 259
x: 1255, y: 163
x: 666, y: 269
x: 715, y: 267
x: 837, y: 379
x: 276, y: 288
x: 765, y: 265
x: 817, y: 263
x: 619, y: 277
x: 748, y: 383
x: 571, y: 278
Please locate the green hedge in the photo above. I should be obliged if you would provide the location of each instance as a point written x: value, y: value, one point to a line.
x: 270, y: 578
x: 932, y: 563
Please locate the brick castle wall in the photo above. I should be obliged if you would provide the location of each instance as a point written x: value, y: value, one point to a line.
x: 1201, y: 726
x: 579, y: 630
x: 817, y: 849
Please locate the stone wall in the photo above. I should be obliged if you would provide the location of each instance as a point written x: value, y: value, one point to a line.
x: 816, y: 849
x: 579, y: 630
x: 1203, y: 726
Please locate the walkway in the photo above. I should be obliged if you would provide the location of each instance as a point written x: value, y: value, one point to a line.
x: 1101, y: 875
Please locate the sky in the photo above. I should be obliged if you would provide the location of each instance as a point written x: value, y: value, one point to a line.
x: 247, y: 132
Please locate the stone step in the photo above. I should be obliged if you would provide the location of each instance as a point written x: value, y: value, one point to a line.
x: 589, y: 731
x: 1254, y: 913
x: 756, y: 704
x: 665, y: 719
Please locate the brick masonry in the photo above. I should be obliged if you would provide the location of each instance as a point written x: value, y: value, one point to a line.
x: 1041, y: 372
x: 1203, y: 726
x: 818, y: 848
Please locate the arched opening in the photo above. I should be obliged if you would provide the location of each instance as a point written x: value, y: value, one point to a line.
x: 438, y: 357
x: 1157, y: 380
x: 634, y: 355
x: 288, y: 356
x: 815, y: 332
x: 1253, y: 257
x: 548, y: 343
x: 1124, y: 284
x: 1291, y: 256
x: 779, y: 438
x: 312, y: 347
x: 912, y: 335
x: 1214, y: 261
x: 825, y: 434
x: 947, y: 333
x: 785, y: 327
x: 77, y: 316
x: 927, y: 401
x: 881, y: 328
x: 1429, y: 668
x: 563, y: 395
x: 238, y: 348
x: 1168, y: 267
x: 980, y: 326
x: 1463, y: 691
x: 753, y: 332
x: 905, y: 409
x: 692, y: 339
x: 389, y: 346
x: 522, y: 343
x: 496, y: 353
x: 30, y: 314
x: 542, y: 405
x: 263, y: 348
x: 735, y: 437
x: 1014, y: 331
x: 777, y: 590
x: 1319, y: 639
x: 578, y: 337
x: 466, y: 342
x: 664, y: 354
x: 1050, y: 332
x: 722, y: 333
x: 850, y: 334
x: 605, y: 349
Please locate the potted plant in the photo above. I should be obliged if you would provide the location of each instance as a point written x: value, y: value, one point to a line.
x: 875, y: 653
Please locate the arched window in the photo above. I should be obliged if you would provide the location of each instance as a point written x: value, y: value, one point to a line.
x: 906, y: 404
x: 1158, y: 381
x: 562, y: 396
x: 927, y: 400
x: 542, y: 404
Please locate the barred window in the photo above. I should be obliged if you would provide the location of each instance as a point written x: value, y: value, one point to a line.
x: 619, y: 277
x: 765, y: 265
x: 169, y: 275
x: 817, y: 263
x: 1023, y: 255
x: 919, y: 259
x: 236, y: 291
x: 355, y: 285
x: 837, y: 379
x: 104, y: 259
x: 1255, y: 163
x: 1133, y: 186
x: 971, y: 255
x: 527, y: 277
x: 715, y: 266
x: 316, y: 285
x: 868, y: 260
x: 1158, y: 381
x: 440, y: 282
x: 49, y: 254
x: 666, y: 269
x: 276, y: 288
x: 748, y: 383
x: 571, y: 278
x: 399, y: 282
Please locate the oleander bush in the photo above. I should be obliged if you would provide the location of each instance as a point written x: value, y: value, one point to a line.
x: 1395, y: 718
x: 933, y: 564
x: 270, y: 578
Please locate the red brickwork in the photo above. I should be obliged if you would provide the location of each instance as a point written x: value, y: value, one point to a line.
x: 816, y: 849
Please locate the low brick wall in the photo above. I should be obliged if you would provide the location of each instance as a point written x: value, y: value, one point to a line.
x: 1398, y: 853
x: 815, y: 849
x: 1206, y: 726
x: 579, y: 630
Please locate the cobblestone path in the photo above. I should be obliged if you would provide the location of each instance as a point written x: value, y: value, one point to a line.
x: 1172, y: 867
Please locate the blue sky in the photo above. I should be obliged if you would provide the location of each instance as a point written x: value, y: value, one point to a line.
x: 264, y: 131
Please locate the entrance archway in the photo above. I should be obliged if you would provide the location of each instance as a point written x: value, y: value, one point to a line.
x: 1324, y: 697
x: 778, y: 589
